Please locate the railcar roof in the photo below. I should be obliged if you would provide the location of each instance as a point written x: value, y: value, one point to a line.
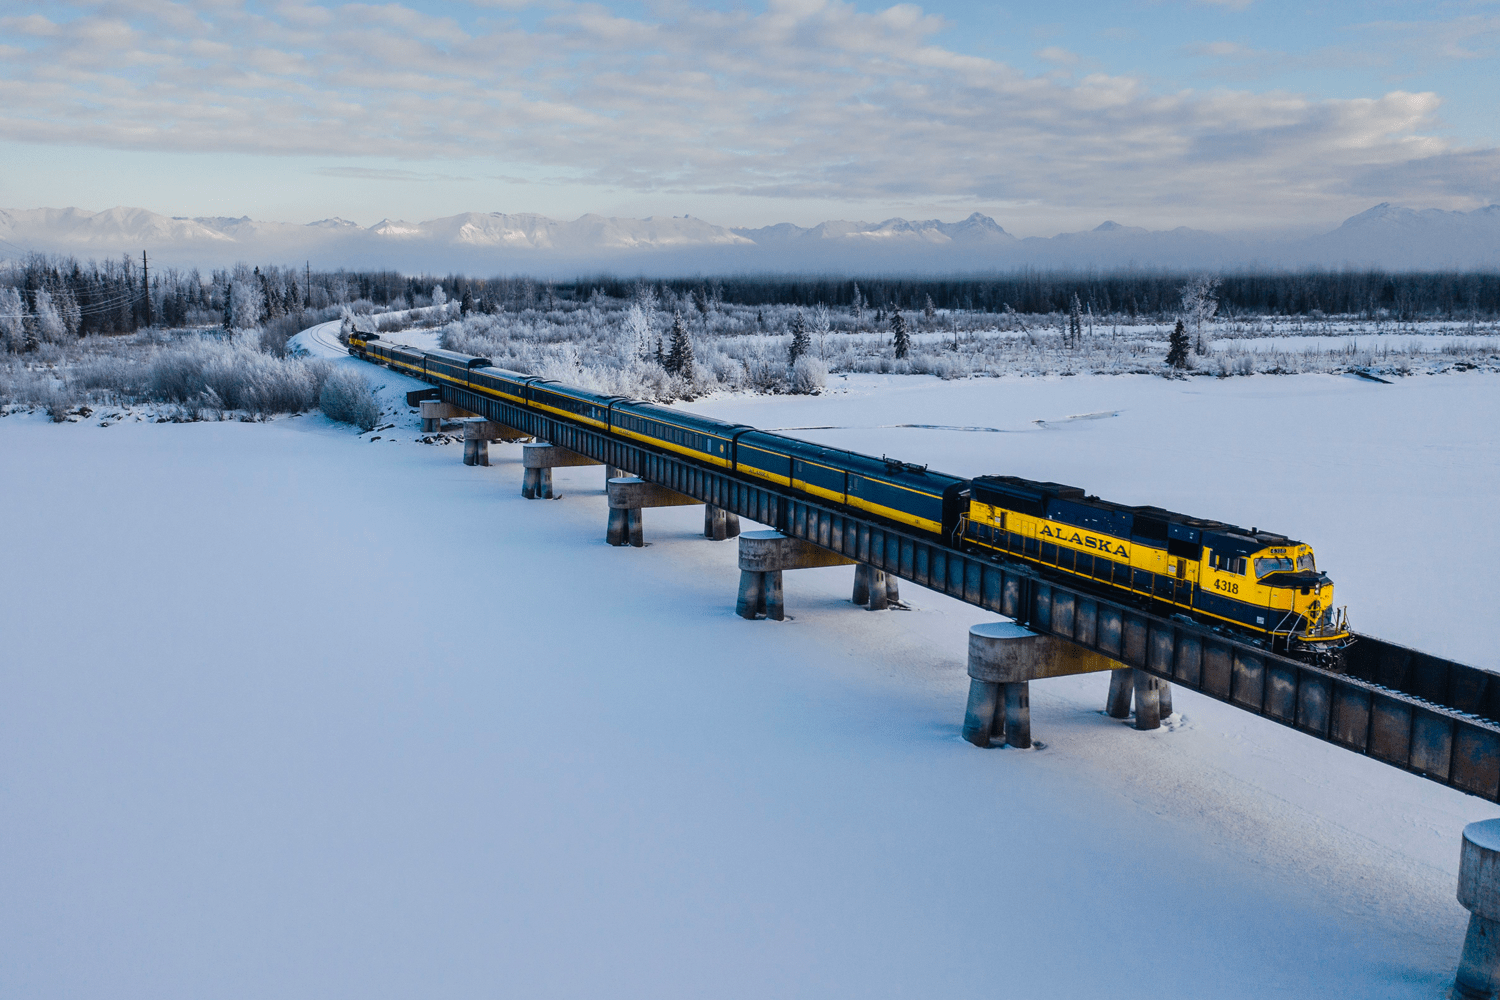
x: 681, y: 418
x: 573, y: 392
x: 1239, y: 537
x: 462, y: 360
x: 504, y: 373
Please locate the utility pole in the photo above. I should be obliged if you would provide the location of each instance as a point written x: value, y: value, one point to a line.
x: 146, y: 286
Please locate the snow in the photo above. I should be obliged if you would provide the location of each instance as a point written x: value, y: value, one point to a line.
x: 287, y: 713
x: 1001, y: 630
x: 321, y: 341
x: 1485, y: 834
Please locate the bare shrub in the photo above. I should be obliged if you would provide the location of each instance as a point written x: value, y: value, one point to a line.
x: 348, y: 398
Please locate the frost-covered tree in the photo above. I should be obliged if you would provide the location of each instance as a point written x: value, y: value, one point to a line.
x: 243, y: 305
x: 1075, y: 322
x: 680, y: 357
x: 1177, y: 347
x: 67, y: 307
x: 645, y: 297
x: 439, y: 297
x: 857, y: 307
x: 636, y: 331
x: 929, y: 310
x: 821, y: 323
x: 1200, y: 304
x: 801, y: 340
x: 49, y: 322
x: 900, y: 336
x: 12, y: 319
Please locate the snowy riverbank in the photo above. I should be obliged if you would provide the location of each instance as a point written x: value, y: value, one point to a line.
x: 286, y: 712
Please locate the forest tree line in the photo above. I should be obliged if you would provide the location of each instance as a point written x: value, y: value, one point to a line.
x: 47, y: 298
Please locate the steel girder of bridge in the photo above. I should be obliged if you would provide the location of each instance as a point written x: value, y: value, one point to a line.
x: 1408, y: 709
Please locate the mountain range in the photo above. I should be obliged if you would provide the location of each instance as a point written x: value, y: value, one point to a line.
x: 1386, y: 236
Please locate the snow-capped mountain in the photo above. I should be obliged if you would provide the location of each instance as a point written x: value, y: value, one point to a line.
x: 490, y: 242
x: 976, y: 229
x: 1404, y: 237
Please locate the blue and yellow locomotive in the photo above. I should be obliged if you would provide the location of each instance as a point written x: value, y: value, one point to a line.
x: 1256, y: 583
x: 1251, y: 581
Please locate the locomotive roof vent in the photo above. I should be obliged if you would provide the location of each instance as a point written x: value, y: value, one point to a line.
x: 895, y: 466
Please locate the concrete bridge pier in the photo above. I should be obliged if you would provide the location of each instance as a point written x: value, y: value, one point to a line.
x: 1147, y: 700
x: 764, y: 556
x: 1121, y: 684
x: 435, y: 411
x: 1479, y: 891
x: 720, y: 524
x: 1125, y: 682
x: 539, y: 459
x: 477, y: 437
x: 874, y: 588
x: 628, y: 495
x: 1004, y: 658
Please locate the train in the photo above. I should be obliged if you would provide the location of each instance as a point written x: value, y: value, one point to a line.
x: 1258, y: 585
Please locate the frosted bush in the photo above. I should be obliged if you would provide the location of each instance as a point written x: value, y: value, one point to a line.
x: 347, y: 397
x: 234, y: 377
x: 23, y: 386
x: 809, y: 375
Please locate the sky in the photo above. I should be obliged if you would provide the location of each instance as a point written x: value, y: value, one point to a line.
x: 1215, y: 114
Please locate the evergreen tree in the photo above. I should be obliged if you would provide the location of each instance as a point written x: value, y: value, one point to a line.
x: 1075, y: 322
x: 680, y: 357
x: 661, y: 356
x: 929, y: 310
x: 466, y: 304
x: 1177, y: 350
x: 801, y: 339
x: 899, y: 335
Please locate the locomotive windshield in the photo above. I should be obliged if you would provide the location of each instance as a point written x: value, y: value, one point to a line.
x: 1266, y: 565
x: 1305, y: 561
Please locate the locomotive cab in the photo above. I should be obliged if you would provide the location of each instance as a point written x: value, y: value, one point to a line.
x: 1304, y: 595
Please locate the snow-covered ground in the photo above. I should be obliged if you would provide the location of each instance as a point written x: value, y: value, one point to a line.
x: 289, y: 713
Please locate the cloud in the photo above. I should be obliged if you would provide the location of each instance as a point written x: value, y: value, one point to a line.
x: 381, y: 174
x: 811, y: 99
x: 1221, y: 50
x: 1460, y: 39
x: 1054, y: 54
x: 34, y: 25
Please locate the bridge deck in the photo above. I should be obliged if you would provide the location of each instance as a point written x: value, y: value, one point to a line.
x: 1408, y: 709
